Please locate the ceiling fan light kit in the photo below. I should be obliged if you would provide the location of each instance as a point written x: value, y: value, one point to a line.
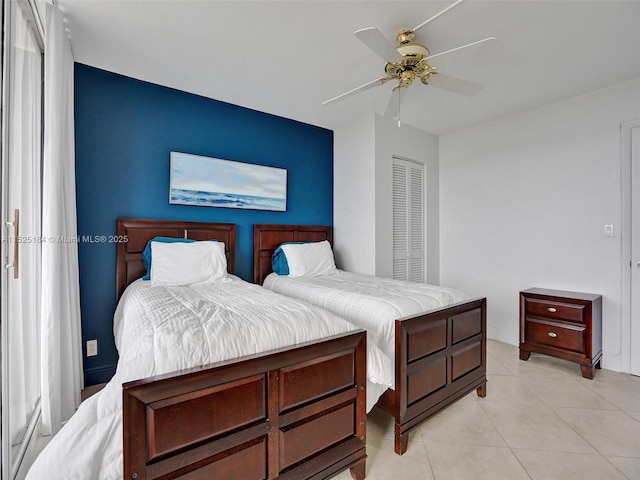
x: 407, y: 48
x: 410, y: 60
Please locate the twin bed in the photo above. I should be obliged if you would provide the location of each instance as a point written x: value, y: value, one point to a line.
x: 439, y: 352
x: 229, y: 380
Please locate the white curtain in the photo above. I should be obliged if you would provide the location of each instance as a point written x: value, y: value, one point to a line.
x: 61, y: 356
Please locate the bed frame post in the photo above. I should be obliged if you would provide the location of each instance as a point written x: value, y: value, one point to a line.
x: 401, y: 438
x: 273, y: 467
x: 359, y: 470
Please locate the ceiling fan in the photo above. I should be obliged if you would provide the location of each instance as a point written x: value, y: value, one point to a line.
x: 409, y: 61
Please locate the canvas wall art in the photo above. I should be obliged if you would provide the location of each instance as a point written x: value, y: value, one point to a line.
x: 214, y: 182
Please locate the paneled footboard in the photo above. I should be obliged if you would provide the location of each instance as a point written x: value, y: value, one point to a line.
x: 295, y: 413
x: 440, y: 357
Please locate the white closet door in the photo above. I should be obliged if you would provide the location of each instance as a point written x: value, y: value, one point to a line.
x: 408, y: 220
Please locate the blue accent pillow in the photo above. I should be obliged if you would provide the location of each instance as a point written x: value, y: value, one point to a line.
x: 279, y: 262
x: 146, y: 253
x: 279, y: 259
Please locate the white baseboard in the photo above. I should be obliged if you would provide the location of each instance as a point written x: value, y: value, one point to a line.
x: 611, y: 362
x: 505, y: 336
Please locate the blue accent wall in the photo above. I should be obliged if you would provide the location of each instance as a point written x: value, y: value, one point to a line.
x: 125, y: 130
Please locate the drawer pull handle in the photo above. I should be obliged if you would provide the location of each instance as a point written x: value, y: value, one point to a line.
x: 552, y: 335
x: 552, y: 310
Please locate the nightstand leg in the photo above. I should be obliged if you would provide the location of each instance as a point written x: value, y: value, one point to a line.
x: 482, y: 390
x: 524, y: 355
x: 587, y: 371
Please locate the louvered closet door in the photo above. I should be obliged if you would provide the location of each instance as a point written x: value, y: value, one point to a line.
x: 408, y: 220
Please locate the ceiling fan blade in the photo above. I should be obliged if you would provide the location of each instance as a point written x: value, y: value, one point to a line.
x: 377, y: 42
x: 438, y: 14
x: 485, y: 45
x: 455, y: 84
x: 395, y: 100
x: 361, y: 88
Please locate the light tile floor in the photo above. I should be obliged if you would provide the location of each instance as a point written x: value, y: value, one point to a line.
x: 540, y: 420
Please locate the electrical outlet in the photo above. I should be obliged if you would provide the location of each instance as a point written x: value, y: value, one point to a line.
x: 92, y: 348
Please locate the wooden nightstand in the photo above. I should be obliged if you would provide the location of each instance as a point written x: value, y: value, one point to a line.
x: 566, y: 325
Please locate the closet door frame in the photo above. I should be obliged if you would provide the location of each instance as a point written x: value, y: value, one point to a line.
x: 630, y: 310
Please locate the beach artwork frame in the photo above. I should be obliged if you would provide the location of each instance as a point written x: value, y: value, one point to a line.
x: 214, y: 182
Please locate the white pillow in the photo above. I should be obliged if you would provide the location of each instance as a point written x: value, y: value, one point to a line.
x: 309, y: 259
x: 187, y: 263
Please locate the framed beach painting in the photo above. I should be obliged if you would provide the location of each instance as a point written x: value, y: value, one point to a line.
x: 213, y: 182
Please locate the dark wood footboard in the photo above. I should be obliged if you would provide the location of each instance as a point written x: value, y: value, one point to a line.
x: 296, y: 413
x: 440, y: 357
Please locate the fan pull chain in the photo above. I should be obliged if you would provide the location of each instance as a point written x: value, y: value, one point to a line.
x: 399, y: 105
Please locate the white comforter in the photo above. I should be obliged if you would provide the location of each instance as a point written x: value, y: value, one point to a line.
x: 162, y: 329
x: 372, y: 303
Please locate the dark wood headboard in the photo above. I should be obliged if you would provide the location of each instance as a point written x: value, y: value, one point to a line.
x: 129, y: 266
x: 266, y: 238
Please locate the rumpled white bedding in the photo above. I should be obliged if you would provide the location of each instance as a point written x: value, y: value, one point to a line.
x: 372, y: 303
x: 161, y: 329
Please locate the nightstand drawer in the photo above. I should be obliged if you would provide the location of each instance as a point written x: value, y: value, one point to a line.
x: 559, y: 335
x: 557, y: 310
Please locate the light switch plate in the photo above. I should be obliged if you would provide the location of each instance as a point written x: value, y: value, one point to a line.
x: 608, y: 230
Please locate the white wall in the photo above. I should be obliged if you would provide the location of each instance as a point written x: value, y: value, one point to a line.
x: 354, y: 196
x: 524, y: 201
x: 363, y: 155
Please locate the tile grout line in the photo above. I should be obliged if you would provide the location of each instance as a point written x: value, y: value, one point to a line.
x: 511, y: 374
x: 504, y: 439
x: 426, y: 450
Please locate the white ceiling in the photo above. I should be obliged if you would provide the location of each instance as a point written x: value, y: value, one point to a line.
x: 287, y: 57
